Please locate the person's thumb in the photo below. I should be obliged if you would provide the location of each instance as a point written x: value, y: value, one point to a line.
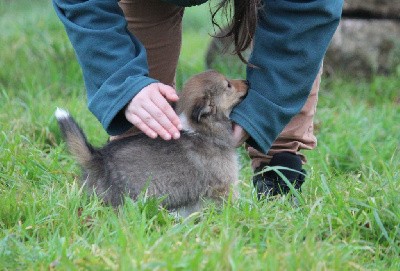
x: 239, y: 135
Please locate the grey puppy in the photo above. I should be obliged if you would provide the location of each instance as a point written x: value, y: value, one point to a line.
x: 201, y: 164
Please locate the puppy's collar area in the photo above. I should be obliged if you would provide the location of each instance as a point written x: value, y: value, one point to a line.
x: 185, y: 124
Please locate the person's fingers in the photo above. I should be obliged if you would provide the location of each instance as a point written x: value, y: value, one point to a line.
x: 168, y: 92
x: 171, y: 122
x: 161, y: 119
x: 153, y: 123
x: 137, y: 121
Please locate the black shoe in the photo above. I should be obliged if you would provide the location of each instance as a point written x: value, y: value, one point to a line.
x: 271, y: 184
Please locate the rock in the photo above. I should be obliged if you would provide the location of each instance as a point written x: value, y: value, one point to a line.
x: 389, y: 9
x: 360, y: 48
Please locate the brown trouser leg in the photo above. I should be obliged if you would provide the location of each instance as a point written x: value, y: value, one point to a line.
x: 298, y: 133
x: 158, y: 26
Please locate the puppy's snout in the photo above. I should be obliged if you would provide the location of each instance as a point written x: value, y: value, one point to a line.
x: 241, y: 85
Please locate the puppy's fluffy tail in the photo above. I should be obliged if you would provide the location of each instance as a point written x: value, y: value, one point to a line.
x: 75, y: 138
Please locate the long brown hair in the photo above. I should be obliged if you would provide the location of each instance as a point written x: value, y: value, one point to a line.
x: 242, y: 23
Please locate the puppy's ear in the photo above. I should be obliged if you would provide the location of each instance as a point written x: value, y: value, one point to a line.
x: 201, y: 108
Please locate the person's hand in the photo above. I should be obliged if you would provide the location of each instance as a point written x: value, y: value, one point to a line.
x: 239, y: 135
x: 150, y: 111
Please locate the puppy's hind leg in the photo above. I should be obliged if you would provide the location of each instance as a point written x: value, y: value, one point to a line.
x: 187, y: 210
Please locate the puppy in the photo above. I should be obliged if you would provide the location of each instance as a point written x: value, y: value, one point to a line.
x: 202, y: 164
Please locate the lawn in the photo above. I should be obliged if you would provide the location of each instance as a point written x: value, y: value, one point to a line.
x: 348, y: 217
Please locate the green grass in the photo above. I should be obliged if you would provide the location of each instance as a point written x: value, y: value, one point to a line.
x: 349, y: 220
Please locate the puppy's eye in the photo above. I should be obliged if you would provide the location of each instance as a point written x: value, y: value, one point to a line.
x: 229, y: 84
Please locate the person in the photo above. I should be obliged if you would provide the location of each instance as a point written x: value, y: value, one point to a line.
x: 129, y: 50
